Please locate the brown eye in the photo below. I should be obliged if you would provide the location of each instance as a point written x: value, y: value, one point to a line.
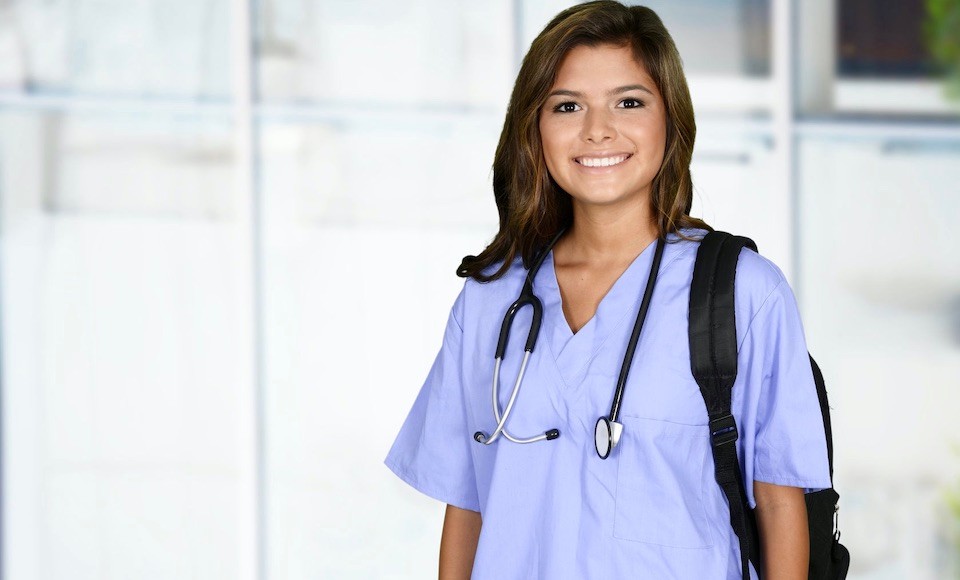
x: 633, y: 103
x: 565, y: 107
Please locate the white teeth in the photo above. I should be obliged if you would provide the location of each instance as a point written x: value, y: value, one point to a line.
x: 602, y: 161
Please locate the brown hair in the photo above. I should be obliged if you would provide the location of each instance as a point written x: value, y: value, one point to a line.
x: 532, y: 207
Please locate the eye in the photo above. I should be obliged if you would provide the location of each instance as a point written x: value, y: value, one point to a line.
x: 633, y: 103
x: 563, y: 107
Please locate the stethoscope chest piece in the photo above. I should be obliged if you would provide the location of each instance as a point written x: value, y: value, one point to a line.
x: 607, y: 435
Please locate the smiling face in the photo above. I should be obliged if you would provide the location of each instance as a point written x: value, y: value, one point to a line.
x: 603, y: 127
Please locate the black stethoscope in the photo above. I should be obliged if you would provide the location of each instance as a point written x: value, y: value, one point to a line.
x: 607, y: 431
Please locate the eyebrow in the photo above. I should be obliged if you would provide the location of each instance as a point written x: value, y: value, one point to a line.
x: 611, y: 92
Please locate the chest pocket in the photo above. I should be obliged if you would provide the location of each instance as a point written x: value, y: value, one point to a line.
x: 660, y: 484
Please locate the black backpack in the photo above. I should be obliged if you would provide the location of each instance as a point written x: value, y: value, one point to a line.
x: 713, y: 360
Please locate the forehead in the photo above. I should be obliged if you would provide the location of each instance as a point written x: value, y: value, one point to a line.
x: 595, y: 69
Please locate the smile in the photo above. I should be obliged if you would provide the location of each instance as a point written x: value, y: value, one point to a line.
x: 602, y: 161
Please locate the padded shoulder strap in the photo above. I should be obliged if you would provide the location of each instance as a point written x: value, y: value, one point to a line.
x: 713, y: 328
x: 713, y: 361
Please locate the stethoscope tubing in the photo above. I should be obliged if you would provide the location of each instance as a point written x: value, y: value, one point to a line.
x: 527, y: 298
x: 502, y: 420
x: 635, y: 335
x: 612, y: 429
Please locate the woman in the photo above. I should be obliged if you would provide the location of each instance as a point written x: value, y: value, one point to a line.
x: 594, y: 159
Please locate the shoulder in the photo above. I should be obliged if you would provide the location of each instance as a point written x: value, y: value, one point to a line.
x: 759, y: 279
x: 475, y: 297
x: 756, y: 273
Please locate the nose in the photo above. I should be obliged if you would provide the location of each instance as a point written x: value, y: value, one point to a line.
x: 598, y: 126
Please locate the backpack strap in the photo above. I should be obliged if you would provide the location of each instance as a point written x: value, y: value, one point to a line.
x: 824, y: 411
x: 713, y: 360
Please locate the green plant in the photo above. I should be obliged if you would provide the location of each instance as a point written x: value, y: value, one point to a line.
x: 952, y: 497
x: 951, y: 500
x: 941, y: 34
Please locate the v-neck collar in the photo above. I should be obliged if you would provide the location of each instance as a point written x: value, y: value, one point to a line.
x: 574, y: 351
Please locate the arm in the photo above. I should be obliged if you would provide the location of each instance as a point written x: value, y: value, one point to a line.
x: 458, y: 543
x: 784, y: 536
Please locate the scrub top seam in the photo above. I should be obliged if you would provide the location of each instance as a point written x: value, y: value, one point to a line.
x: 453, y: 310
x: 765, y: 477
x: 556, y: 365
x: 443, y: 495
x: 757, y: 314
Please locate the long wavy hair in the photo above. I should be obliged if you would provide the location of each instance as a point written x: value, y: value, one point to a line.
x: 532, y: 207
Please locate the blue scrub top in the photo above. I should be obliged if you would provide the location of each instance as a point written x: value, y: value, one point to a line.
x: 554, y: 509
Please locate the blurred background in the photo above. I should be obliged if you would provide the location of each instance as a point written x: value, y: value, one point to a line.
x: 229, y: 233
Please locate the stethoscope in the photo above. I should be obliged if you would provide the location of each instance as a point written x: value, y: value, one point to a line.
x: 607, y: 431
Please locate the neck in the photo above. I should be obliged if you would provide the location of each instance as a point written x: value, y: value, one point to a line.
x: 608, y: 234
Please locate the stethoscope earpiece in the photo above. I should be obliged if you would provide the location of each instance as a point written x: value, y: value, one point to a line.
x: 481, y: 437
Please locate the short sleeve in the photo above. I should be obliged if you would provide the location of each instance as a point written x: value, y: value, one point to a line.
x: 431, y: 452
x: 782, y: 411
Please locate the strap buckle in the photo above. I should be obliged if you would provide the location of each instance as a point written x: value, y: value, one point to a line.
x: 723, y: 430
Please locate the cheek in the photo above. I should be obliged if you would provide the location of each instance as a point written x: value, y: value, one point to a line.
x: 650, y: 141
x: 551, y: 145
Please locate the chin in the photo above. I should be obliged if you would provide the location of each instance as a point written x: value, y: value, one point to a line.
x: 604, y: 198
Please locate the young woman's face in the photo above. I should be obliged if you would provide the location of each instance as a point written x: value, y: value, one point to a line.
x: 603, y: 127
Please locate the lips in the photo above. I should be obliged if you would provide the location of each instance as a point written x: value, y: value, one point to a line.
x: 599, y: 161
